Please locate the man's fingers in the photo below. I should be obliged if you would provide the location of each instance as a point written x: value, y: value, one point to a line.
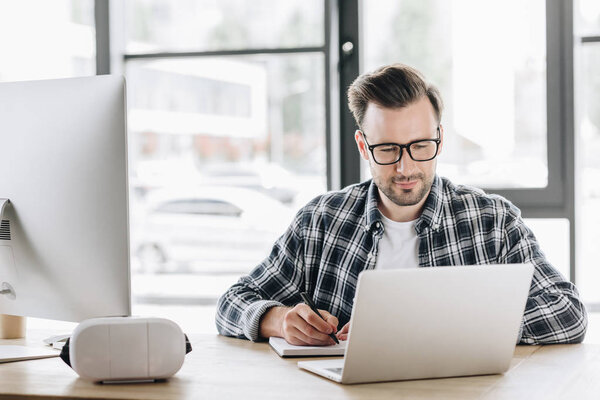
x: 294, y: 322
x: 304, y: 327
x: 346, y: 328
x: 343, y: 333
x: 311, y: 332
x: 301, y: 339
x: 314, y: 320
x: 331, y: 320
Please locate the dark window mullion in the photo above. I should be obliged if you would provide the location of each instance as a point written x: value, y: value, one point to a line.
x: 349, y: 69
x: 101, y: 24
x: 221, y: 53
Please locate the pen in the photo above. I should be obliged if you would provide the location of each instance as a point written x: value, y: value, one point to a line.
x: 309, y: 303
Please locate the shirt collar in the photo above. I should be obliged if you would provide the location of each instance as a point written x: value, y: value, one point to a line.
x: 372, y: 215
x: 432, y: 210
x: 429, y: 218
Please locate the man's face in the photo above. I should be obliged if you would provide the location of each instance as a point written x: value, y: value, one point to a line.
x: 406, y: 182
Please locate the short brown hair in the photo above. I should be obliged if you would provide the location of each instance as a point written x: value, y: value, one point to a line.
x: 391, y: 86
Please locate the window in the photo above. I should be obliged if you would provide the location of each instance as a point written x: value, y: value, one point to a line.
x: 493, y: 80
x: 43, y: 40
x: 227, y: 101
x: 552, y: 234
x: 502, y: 69
x: 237, y: 94
x: 204, y: 25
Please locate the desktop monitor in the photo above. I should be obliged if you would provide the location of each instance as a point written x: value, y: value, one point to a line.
x: 64, y: 245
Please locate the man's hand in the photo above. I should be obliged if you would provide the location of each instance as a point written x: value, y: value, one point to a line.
x: 299, y: 325
x: 343, y: 333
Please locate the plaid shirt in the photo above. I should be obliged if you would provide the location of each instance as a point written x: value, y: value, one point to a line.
x: 335, y: 236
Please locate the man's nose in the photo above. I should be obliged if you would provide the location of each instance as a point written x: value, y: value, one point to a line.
x: 406, y: 164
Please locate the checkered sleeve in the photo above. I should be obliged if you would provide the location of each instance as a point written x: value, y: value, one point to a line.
x: 553, y: 313
x: 274, y: 282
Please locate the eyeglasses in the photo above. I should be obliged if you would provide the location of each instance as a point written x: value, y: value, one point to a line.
x: 391, y: 153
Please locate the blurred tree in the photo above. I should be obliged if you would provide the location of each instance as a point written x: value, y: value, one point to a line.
x: 416, y: 33
x: 231, y: 30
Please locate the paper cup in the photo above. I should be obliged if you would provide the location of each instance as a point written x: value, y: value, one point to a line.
x: 12, y: 327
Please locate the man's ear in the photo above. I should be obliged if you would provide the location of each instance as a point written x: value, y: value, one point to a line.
x: 442, y: 139
x: 362, y: 146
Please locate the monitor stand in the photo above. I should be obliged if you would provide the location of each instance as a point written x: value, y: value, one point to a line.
x: 13, y: 327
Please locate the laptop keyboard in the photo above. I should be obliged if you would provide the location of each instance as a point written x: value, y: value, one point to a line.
x: 335, y: 370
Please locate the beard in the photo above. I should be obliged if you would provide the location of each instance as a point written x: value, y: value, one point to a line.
x: 404, y: 197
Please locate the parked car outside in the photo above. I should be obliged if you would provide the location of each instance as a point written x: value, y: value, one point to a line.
x: 214, y: 229
x: 269, y: 179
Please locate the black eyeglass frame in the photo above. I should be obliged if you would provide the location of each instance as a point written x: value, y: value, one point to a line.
x: 437, y: 142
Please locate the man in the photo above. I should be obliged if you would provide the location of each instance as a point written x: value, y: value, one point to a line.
x: 407, y: 216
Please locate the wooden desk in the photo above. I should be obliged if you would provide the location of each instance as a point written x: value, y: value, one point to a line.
x: 225, y: 368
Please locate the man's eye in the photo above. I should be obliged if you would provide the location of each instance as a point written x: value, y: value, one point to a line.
x: 389, y: 149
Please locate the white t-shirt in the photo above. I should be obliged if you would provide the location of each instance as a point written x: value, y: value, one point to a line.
x: 399, y: 245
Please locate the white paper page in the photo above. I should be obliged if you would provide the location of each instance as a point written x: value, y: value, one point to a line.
x: 283, y: 348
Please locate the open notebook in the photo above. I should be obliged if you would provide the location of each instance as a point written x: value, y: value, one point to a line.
x: 284, y: 349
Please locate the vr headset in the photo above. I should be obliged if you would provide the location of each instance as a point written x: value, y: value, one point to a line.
x: 120, y: 349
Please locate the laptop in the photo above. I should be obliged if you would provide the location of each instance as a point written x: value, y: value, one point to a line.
x: 431, y: 323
